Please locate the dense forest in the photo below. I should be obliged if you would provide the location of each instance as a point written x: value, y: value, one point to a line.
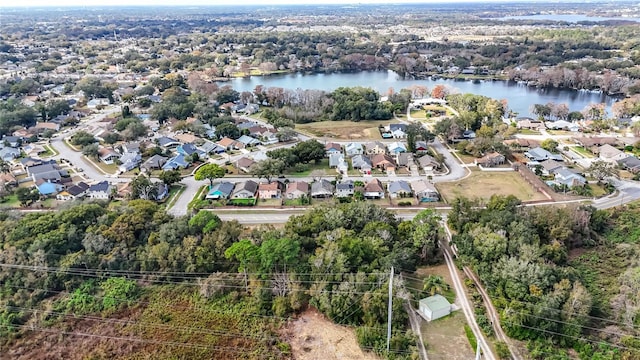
x: 563, y: 278
x: 132, y: 262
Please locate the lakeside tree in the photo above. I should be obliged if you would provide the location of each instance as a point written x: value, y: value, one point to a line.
x: 209, y: 172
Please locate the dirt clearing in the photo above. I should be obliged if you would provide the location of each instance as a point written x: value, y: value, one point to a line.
x: 313, y: 337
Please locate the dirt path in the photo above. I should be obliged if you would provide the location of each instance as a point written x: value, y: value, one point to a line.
x: 313, y: 337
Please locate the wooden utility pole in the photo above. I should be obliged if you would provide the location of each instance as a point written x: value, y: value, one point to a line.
x: 390, y: 309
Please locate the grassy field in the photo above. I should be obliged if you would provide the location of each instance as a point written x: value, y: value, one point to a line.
x: 344, y: 130
x: 528, y: 132
x: 323, y: 165
x: 484, y: 184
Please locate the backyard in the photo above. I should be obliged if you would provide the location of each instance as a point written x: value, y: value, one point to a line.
x: 344, y: 130
x: 481, y: 184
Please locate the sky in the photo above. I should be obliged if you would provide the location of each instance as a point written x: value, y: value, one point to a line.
x: 40, y: 3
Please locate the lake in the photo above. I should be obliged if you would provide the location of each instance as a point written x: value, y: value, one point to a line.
x: 572, y: 18
x: 519, y: 96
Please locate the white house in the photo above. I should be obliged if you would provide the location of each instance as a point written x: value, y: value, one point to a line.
x: 101, y: 190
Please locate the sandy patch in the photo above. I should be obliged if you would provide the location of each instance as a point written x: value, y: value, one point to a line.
x: 313, y: 337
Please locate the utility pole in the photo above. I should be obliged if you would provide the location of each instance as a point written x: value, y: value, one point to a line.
x: 390, y: 309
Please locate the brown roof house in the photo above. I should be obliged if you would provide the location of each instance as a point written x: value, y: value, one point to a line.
x: 297, y: 189
x: 374, y: 189
x: 384, y: 162
x: 271, y: 190
x: 244, y: 164
x: 490, y: 160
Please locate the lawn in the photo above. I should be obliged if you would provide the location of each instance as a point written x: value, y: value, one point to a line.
x: 418, y: 114
x: 174, y: 194
x: 296, y: 202
x: 323, y: 165
x: 48, y: 152
x: 528, y: 132
x: 344, y: 130
x: 106, y: 168
x: 482, y: 185
x: 10, y: 201
x: 582, y: 151
x: 269, y: 202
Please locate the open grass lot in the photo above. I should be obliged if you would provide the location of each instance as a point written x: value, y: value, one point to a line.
x: 484, y: 184
x: 322, y: 168
x: 10, y: 201
x: 528, y: 132
x: 344, y: 130
x: 269, y: 202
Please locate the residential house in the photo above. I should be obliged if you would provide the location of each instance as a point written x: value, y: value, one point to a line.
x: 47, y: 188
x: 490, y: 160
x: 422, y: 147
x: 221, y: 190
x: 398, y: 131
x: 571, y: 179
x: 248, y: 141
x: 610, y: 154
x: 630, y: 163
x: 271, y: 190
x: 101, y: 190
x: 353, y: 149
x: 186, y: 138
x: 7, y: 179
x: 428, y: 163
x: 251, y: 109
x: 396, y: 148
x: 43, y: 126
x: 189, y: 149
x: 74, y: 192
x: 9, y: 153
x: 245, y: 190
x: 425, y: 191
x: 468, y: 135
x: 345, y: 188
x: 94, y: 103
x: 167, y: 142
x: 539, y: 154
x: 48, y: 171
x: 589, y: 142
x: 177, y: 162
x: 562, y: 125
x: 405, y: 159
x: 332, y: 148
x: 33, y: 149
x: 131, y: 147
x: 209, y: 147
x: 374, y: 148
x: 383, y: 162
x: 529, y: 124
x: 129, y: 161
x: 363, y: 163
x: 373, y: 189
x: 297, y: 189
x: 209, y: 131
x: 521, y: 144
x: 108, y: 155
x: 154, y: 162
x: 321, y: 189
x: 399, y: 189
x: 11, y: 141
x: 549, y: 167
x: 244, y: 164
x: 336, y: 160
x: 229, y: 144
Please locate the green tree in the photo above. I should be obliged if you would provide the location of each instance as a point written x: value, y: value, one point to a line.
x: 82, y: 138
x: 601, y: 170
x: 549, y: 145
x: 310, y: 150
x: 209, y: 172
x: 27, y: 196
x: 170, y: 177
x: 91, y: 150
x: 435, y: 284
x: 267, y: 169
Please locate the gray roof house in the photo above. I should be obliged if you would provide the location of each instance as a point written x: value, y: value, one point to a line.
x: 630, y: 163
x: 550, y: 167
x: 9, y: 153
x: 248, y: 140
x: 353, y: 149
x: 167, y: 142
x: 154, y: 162
x: 322, y: 189
x: 540, y: 154
x: 245, y: 190
x: 361, y: 162
x: 569, y: 178
x: 129, y: 161
x: 336, y: 160
x: 428, y: 163
x: 101, y: 190
x: 220, y: 190
x: 345, y: 188
x: 399, y: 189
